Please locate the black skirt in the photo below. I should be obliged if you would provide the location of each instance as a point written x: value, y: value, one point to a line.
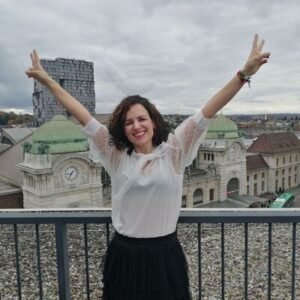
x: 145, y: 269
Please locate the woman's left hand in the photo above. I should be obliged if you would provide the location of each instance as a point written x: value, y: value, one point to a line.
x: 256, y: 57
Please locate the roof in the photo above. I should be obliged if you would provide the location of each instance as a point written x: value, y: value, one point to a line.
x: 254, y: 162
x: 4, y: 147
x: 8, y: 163
x: 7, y: 189
x: 58, y: 136
x: 277, y: 142
x: 101, y: 118
x: 222, y: 127
x: 14, y: 135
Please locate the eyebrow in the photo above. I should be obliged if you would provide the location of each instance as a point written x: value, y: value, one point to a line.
x: 141, y: 116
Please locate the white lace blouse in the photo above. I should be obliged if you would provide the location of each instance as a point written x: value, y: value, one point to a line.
x: 147, y: 188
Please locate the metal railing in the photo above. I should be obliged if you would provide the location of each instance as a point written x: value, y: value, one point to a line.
x: 199, y: 218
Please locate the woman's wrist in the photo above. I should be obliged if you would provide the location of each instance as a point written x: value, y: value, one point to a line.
x: 49, y: 81
x: 244, y: 77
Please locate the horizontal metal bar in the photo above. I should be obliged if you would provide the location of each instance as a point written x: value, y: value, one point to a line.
x: 56, y: 217
x: 186, y: 216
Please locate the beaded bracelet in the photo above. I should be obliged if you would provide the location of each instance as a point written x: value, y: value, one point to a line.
x: 244, y: 78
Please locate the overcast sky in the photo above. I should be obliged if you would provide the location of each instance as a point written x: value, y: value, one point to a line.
x: 176, y: 53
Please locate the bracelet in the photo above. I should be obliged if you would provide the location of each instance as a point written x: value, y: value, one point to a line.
x: 244, y: 78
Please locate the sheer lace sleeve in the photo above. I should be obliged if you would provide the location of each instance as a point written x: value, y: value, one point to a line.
x: 100, y: 148
x: 187, y: 139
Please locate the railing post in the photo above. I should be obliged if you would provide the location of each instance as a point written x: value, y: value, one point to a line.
x: 62, y: 261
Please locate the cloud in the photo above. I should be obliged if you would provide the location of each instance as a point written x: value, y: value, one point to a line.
x: 178, y: 53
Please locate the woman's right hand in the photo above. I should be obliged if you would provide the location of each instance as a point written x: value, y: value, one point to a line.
x: 37, y: 71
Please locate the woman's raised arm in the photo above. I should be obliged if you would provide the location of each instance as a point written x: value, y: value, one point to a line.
x: 255, y: 60
x: 71, y: 104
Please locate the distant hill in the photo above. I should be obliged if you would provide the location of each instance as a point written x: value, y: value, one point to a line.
x: 10, y: 118
x: 278, y: 116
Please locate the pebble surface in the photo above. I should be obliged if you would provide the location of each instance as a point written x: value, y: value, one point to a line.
x: 211, y: 262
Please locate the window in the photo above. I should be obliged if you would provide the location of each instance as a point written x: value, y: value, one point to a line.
x: 212, y: 157
x: 289, y: 181
x: 276, y: 173
x: 198, y: 196
x: 183, y: 202
x: 290, y: 169
x: 277, y: 162
x: 296, y: 168
x: 204, y: 156
x: 276, y: 184
x: 263, y: 175
x: 248, y: 191
x: 283, y: 171
x: 255, y: 189
x: 255, y: 176
x: 211, y: 195
x: 208, y: 156
x: 295, y: 178
x: 247, y: 178
x: 283, y: 160
x: 290, y: 158
x: 283, y: 183
x: 262, y: 186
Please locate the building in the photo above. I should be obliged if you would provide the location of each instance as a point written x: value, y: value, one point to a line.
x: 11, y: 178
x: 273, y: 163
x: 60, y: 172
x: 75, y: 76
x: 219, y: 170
x: 57, y: 169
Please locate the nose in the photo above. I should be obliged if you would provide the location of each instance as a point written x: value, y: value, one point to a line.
x: 136, y: 124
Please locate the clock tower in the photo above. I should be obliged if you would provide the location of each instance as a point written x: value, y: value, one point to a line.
x: 58, y: 172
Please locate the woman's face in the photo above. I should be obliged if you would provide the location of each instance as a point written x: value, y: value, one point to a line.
x: 138, y: 128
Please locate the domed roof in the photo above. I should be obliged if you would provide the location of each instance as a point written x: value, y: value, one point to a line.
x: 222, y: 128
x: 58, y: 136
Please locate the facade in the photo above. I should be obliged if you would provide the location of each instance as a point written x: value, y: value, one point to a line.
x: 281, y: 153
x: 257, y: 175
x: 58, y: 172
x: 219, y: 170
x: 76, y: 76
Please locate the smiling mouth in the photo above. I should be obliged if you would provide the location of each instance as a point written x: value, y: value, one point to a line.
x: 139, y: 134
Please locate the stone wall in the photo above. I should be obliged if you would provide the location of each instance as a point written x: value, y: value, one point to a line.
x: 75, y: 76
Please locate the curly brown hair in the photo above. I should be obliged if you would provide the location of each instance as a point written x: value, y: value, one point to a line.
x: 117, y: 121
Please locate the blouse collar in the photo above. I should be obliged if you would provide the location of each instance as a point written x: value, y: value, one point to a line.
x: 158, y: 151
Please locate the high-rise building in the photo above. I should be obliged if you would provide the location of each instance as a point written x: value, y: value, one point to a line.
x: 75, y: 76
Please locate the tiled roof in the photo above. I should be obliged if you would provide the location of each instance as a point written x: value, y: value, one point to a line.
x: 254, y: 162
x: 278, y: 142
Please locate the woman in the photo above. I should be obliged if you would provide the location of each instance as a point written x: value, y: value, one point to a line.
x: 146, y: 163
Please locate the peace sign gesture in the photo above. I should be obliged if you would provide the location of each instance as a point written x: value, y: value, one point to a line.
x: 37, y: 71
x: 256, y: 57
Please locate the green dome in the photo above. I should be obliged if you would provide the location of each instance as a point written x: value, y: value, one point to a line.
x: 58, y: 136
x: 222, y: 128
